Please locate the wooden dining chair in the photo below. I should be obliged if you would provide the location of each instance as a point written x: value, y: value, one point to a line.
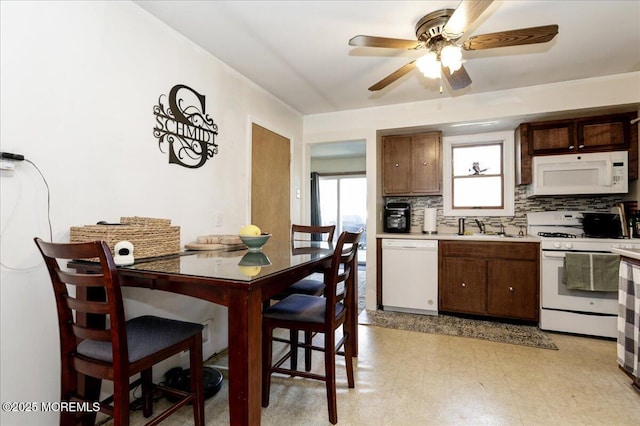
x: 122, y: 350
x: 310, y: 285
x: 316, y: 314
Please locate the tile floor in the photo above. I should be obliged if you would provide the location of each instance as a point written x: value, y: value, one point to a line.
x: 410, y: 378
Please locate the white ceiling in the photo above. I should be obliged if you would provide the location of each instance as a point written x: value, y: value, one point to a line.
x: 299, y: 52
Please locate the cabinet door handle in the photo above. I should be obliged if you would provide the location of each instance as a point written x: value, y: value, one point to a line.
x: 571, y: 146
x: 511, y: 289
x: 464, y: 285
x: 580, y: 146
x: 397, y: 165
x: 424, y: 163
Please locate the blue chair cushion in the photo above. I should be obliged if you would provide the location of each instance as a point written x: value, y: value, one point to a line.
x: 145, y: 335
x: 301, y: 307
x: 307, y: 286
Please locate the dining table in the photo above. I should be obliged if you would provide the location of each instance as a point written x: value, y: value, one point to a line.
x: 241, y: 280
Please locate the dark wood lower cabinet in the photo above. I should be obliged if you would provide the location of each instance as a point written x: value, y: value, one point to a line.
x: 512, y: 288
x: 490, y: 278
x: 463, y: 287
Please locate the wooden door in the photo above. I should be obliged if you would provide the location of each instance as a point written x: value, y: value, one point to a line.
x: 270, y: 182
x: 396, y: 167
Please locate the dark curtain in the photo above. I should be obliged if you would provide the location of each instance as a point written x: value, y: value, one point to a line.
x: 316, y: 220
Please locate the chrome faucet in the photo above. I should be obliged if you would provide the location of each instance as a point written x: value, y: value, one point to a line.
x: 480, y: 226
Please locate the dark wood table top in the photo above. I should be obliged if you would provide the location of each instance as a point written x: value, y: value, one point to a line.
x: 240, y: 280
x: 239, y: 266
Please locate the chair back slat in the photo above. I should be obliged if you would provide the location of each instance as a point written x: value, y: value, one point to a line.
x: 343, y: 261
x: 91, y: 333
x: 315, y: 233
x: 75, y: 314
x: 87, y: 306
x: 85, y: 280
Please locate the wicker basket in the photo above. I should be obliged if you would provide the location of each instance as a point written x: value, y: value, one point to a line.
x: 150, y: 237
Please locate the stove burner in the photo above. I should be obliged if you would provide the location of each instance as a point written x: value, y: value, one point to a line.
x: 556, y: 235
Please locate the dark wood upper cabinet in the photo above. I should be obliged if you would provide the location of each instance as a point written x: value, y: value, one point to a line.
x: 551, y: 137
x: 612, y: 132
x: 608, y: 133
x: 412, y: 164
x: 396, y: 165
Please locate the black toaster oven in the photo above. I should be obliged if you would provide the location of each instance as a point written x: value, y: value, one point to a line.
x: 397, y: 217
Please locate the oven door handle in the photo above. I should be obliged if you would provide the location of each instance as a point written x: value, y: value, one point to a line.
x: 553, y: 254
x: 561, y: 254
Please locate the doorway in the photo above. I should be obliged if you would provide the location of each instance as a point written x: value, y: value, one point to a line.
x: 343, y: 203
x: 341, y: 171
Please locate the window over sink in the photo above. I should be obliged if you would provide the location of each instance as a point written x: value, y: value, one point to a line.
x: 479, y: 175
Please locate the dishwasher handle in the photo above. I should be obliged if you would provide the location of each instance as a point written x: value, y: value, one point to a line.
x: 401, y: 244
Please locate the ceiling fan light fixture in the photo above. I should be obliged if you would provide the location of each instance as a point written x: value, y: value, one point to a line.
x: 429, y: 65
x: 451, y: 57
x: 440, y: 33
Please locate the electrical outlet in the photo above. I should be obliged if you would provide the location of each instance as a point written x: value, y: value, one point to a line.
x: 8, y: 166
x: 206, y: 335
x: 206, y: 331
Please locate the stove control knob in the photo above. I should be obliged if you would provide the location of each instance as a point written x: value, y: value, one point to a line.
x: 568, y: 245
x: 556, y: 245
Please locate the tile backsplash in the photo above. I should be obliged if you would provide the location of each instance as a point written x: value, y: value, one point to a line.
x: 523, y: 205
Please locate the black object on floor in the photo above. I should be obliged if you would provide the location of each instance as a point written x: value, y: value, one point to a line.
x: 181, y: 379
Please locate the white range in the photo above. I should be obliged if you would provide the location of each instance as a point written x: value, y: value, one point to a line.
x: 561, y: 309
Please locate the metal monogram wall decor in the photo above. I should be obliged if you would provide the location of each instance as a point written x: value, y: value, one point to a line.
x: 183, y: 127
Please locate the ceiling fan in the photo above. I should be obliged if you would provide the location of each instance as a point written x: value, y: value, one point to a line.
x: 440, y: 33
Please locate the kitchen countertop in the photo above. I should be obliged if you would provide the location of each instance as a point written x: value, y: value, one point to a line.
x: 456, y: 237
x: 633, y: 253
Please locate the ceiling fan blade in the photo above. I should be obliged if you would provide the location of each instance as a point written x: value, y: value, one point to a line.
x: 512, y: 38
x: 393, y: 77
x: 459, y: 79
x: 391, y: 43
x: 465, y: 14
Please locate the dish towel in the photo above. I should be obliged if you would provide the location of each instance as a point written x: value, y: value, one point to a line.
x: 591, y: 272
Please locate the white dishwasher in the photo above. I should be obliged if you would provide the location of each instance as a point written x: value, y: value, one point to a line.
x: 410, y: 276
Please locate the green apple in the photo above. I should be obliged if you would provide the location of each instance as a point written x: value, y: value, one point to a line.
x: 250, y: 231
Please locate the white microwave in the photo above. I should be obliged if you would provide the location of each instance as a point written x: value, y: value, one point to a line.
x: 574, y: 174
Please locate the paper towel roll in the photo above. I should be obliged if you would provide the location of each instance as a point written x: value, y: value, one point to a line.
x: 429, y: 225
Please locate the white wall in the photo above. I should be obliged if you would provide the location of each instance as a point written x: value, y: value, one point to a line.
x: 338, y: 165
x: 364, y: 123
x: 79, y: 81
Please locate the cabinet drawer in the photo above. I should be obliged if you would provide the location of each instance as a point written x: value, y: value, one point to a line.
x: 499, y: 250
